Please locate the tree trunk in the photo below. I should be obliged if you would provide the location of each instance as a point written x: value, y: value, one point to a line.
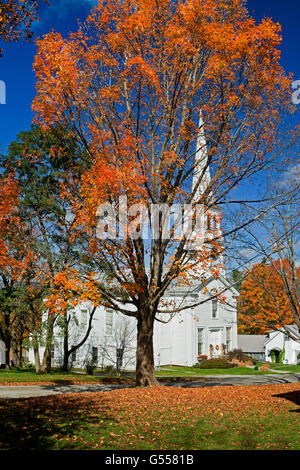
x: 15, y: 354
x: 46, y: 364
x: 145, y: 370
x: 65, y: 366
x: 6, y: 337
x: 37, y: 360
x: 68, y: 352
x: 7, y: 344
x: 21, y: 359
x: 7, y: 350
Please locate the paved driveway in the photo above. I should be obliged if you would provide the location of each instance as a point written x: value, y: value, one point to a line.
x: 209, y: 381
x: 28, y: 391
x: 215, y: 380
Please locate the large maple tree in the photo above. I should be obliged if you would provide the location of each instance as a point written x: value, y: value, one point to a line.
x: 130, y: 86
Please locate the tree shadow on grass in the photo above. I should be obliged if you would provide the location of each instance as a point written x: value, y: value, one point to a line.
x: 53, y: 422
x: 293, y: 396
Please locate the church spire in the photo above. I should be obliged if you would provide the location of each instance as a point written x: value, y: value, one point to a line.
x: 201, y: 168
x: 201, y: 172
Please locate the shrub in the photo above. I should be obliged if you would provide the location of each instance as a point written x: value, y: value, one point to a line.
x: 240, y: 356
x: 109, y: 370
x: 90, y: 365
x: 250, y: 358
x: 215, y: 364
x: 235, y: 353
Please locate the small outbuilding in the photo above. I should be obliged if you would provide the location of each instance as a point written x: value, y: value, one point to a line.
x: 281, y: 348
x: 253, y: 345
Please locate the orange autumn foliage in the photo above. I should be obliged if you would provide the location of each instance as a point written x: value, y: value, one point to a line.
x: 70, y: 289
x: 264, y: 303
x: 8, y: 200
x: 15, y: 255
x: 112, y: 82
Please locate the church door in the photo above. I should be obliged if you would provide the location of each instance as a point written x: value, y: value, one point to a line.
x: 215, y: 339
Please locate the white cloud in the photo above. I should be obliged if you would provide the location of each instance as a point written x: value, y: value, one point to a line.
x: 291, y: 176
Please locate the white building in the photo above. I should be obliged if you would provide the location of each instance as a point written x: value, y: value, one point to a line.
x: 209, y: 329
x: 178, y: 342
x: 253, y: 345
x: 281, y: 348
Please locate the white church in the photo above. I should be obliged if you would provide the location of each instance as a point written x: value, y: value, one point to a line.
x: 209, y: 329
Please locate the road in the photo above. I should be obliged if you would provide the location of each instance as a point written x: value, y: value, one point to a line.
x: 13, y: 392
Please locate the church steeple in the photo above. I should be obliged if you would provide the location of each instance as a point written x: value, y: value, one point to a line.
x: 210, y: 220
x: 201, y: 168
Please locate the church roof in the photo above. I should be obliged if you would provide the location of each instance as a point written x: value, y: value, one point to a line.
x: 197, y: 286
x: 292, y: 328
x: 252, y: 343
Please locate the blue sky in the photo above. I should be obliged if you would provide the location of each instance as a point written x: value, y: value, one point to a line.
x: 16, y: 65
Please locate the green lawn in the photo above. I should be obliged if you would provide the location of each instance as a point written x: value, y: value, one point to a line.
x: 176, y: 371
x: 286, y: 368
x: 15, y: 377
x: 216, y: 418
x: 55, y: 377
x: 20, y: 376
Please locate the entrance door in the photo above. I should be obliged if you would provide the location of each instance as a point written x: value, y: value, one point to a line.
x: 215, y: 338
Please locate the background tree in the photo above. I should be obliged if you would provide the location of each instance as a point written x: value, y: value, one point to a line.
x: 42, y: 162
x: 237, y: 279
x: 16, y: 261
x: 264, y: 304
x: 130, y: 86
x: 119, y: 349
x: 69, y: 290
x: 270, y: 297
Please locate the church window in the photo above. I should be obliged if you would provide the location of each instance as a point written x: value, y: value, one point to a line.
x: 83, y: 319
x: 95, y: 354
x: 214, y: 309
x: 212, y: 222
x: 228, y: 339
x: 200, y: 341
x: 109, y: 322
x: 209, y: 222
x: 73, y: 356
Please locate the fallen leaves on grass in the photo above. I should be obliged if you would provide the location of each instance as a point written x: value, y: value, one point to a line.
x: 149, y: 417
